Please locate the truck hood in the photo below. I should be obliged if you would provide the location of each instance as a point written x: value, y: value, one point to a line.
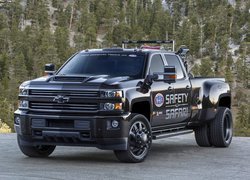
x: 76, y: 82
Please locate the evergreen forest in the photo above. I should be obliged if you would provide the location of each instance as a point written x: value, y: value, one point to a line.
x: 36, y: 32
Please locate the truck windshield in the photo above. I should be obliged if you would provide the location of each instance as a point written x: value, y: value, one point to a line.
x: 114, y: 65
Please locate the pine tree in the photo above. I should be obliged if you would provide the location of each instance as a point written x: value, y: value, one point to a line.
x: 206, y: 67
x: 121, y: 32
x: 20, y: 71
x: 6, y: 115
x: 62, y: 43
x: 242, y: 117
x: 90, y: 37
x: 3, y: 65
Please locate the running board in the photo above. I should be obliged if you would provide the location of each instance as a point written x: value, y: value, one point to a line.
x: 171, y: 133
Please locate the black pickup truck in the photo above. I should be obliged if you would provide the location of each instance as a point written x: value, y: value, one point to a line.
x: 121, y: 99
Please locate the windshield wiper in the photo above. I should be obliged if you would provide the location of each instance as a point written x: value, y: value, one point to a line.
x: 95, y: 76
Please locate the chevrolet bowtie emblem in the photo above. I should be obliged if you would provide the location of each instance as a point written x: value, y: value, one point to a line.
x: 60, y: 99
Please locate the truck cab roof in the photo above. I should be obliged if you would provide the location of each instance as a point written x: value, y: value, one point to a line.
x: 126, y: 50
x: 140, y: 46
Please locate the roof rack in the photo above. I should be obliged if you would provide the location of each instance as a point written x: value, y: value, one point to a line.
x: 149, y: 42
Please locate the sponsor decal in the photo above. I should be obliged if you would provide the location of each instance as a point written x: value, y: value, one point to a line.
x: 176, y: 98
x: 177, y: 113
x: 159, y: 100
x: 176, y: 105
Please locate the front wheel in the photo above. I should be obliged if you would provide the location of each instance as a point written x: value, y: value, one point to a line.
x: 221, y: 128
x: 139, y: 141
x: 35, y: 151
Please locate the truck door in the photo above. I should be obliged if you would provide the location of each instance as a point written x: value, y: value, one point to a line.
x: 181, y: 111
x: 159, y: 90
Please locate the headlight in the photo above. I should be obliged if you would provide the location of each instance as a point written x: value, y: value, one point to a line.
x: 23, y: 104
x: 23, y: 92
x: 111, y: 106
x: 112, y: 94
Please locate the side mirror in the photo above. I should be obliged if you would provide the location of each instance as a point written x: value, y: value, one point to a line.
x: 169, y: 75
x: 49, y: 69
x: 146, y: 84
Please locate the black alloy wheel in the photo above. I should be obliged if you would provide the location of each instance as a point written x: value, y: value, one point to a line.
x: 139, y: 141
x: 221, y: 128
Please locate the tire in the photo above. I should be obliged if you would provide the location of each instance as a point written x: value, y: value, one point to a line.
x: 40, y: 151
x: 202, y: 136
x: 139, y: 141
x: 221, y: 128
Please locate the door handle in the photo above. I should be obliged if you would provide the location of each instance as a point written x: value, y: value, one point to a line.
x: 170, y: 88
x: 188, y: 87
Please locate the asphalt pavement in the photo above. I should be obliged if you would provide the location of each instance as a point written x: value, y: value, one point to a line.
x: 171, y: 158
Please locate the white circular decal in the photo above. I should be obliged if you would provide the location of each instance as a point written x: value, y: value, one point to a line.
x: 159, y: 100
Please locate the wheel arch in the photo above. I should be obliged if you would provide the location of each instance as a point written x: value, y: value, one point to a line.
x: 225, y: 101
x: 216, y: 93
x: 213, y: 94
x: 142, y: 107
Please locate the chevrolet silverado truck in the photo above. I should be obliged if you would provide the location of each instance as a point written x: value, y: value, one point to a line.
x: 121, y: 99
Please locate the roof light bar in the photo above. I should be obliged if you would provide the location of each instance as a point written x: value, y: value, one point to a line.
x: 148, y: 42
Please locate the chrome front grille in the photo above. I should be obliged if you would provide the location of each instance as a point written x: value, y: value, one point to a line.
x: 63, y: 101
x: 66, y: 107
x: 78, y: 93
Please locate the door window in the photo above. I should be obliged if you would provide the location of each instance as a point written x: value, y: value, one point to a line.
x: 173, y: 60
x: 157, y: 64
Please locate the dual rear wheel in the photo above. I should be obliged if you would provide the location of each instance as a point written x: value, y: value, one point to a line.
x: 218, y: 133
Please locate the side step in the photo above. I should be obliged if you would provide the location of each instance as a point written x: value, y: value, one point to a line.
x: 171, y: 133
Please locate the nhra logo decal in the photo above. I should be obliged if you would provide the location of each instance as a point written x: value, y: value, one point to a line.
x: 159, y: 100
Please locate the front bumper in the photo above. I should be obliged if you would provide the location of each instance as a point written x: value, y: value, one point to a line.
x: 91, y: 131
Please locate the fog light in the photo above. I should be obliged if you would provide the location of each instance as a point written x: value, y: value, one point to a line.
x: 109, y: 106
x: 17, y: 120
x: 114, y: 124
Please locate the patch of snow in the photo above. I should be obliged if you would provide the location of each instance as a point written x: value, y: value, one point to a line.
x: 71, y: 38
x: 244, y: 27
x: 243, y: 37
x: 27, y: 22
x: 100, y: 37
x: 232, y: 49
x: 165, y: 5
x: 181, y: 22
x: 52, y: 20
x: 232, y: 3
x: 23, y: 3
x: 248, y: 59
